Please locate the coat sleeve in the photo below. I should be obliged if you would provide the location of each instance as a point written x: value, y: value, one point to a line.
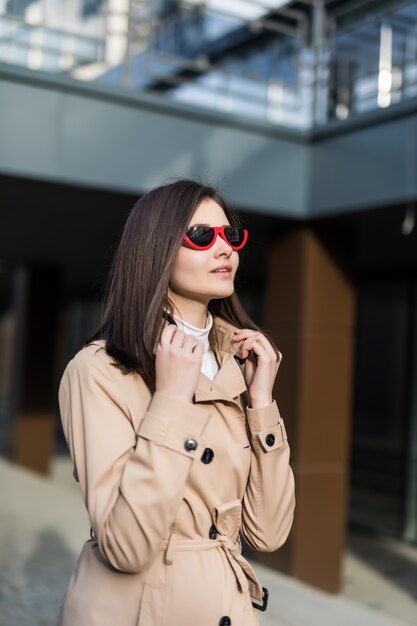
x: 269, y: 499
x: 132, y: 480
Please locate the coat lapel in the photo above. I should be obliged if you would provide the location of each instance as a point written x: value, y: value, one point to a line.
x: 229, y: 381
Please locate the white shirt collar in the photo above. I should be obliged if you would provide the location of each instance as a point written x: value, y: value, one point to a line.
x: 202, y: 334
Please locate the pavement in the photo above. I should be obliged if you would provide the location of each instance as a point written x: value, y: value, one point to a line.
x: 44, y: 524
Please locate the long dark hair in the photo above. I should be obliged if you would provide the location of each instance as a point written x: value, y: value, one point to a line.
x: 136, y: 300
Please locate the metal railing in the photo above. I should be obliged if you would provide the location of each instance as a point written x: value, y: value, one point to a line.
x: 288, y: 67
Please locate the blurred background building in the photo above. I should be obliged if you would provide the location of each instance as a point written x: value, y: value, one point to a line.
x: 305, y: 114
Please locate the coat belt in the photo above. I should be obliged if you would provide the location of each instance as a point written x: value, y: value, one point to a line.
x: 245, y: 575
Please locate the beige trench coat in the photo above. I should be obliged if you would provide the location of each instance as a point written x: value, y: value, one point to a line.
x: 168, y: 486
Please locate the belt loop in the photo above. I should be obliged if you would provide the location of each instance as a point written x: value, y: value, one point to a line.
x: 169, y: 552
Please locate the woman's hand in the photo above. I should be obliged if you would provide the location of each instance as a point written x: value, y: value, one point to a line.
x: 261, y: 366
x: 178, y: 360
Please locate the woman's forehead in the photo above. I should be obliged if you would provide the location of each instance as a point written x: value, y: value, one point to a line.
x: 209, y: 212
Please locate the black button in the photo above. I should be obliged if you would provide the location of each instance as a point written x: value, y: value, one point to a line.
x: 270, y: 439
x: 190, y: 444
x: 207, y: 456
x: 225, y: 621
x: 213, y: 532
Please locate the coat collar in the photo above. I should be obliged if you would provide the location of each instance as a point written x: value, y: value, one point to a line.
x: 229, y: 381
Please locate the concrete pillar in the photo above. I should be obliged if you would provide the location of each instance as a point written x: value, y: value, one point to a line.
x: 33, y: 387
x: 310, y: 312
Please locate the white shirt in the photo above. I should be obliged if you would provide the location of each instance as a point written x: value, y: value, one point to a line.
x: 209, y: 365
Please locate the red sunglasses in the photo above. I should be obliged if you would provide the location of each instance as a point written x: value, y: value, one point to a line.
x: 203, y: 237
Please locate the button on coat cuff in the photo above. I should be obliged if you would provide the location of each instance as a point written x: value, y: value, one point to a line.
x: 171, y: 423
x: 273, y: 438
x: 267, y: 426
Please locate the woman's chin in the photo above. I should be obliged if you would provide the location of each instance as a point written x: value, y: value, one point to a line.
x: 222, y: 293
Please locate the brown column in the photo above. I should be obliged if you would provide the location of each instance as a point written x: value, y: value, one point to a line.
x: 310, y: 312
x: 33, y: 426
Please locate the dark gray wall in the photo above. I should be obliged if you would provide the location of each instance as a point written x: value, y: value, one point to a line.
x: 370, y: 165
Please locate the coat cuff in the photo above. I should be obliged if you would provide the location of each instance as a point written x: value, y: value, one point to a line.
x: 267, y: 426
x: 174, y: 424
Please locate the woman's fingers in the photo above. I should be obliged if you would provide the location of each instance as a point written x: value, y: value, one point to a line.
x: 167, y: 335
x: 190, y: 343
x: 172, y: 337
x: 178, y: 339
x: 261, y: 367
x: 178, y: 363
x: 255, y: 345
x: 259, y: 350
x: 253, y: 334
x: 260, y: 346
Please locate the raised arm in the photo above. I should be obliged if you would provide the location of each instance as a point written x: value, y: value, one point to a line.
x: 132, y: 453
x: 269, y: 500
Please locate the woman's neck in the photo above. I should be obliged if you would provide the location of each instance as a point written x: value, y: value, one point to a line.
x: 195, y: 313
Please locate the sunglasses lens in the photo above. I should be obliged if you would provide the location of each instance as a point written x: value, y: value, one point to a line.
x: 201, y: 235
x: 234, y: 236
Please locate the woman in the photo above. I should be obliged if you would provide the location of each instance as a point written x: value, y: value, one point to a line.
x: 176, y: 444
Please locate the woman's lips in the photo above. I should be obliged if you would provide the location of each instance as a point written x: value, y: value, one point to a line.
x: 225, y: 273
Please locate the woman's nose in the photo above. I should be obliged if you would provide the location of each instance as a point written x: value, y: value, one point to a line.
x: 222, y: 247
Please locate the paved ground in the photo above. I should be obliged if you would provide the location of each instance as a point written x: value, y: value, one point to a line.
x: 43, y: 525
x: 381, y: 573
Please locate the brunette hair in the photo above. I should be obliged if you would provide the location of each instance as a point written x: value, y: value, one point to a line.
x: 136, y: 300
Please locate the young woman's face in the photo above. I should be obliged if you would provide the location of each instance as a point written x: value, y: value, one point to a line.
x: 197, y: 274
